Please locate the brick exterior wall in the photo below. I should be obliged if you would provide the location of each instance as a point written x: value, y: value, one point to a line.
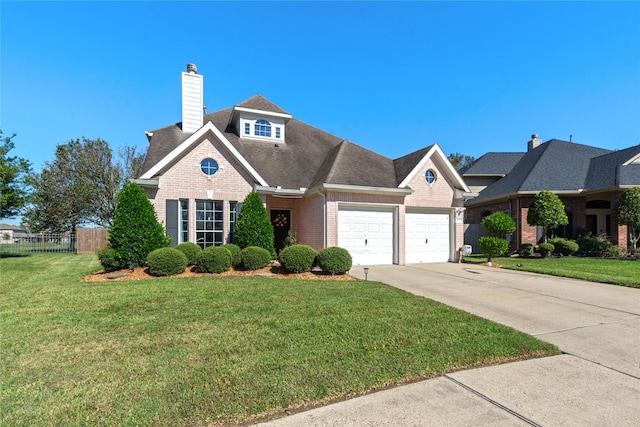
x: 184, y: 180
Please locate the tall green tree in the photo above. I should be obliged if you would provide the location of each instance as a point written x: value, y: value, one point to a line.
x: 628, y: 213
x: 80, y: 186
x: 459, y: 160
x: 547, y: 211
x: 14, y: 173
x: 135, y: 232
x: 254, y: 227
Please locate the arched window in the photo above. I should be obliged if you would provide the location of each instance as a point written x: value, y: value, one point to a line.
x: 262, y: 128
x: 209, y: 166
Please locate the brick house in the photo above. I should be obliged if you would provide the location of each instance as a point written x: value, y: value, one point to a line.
x: 588, y: 180
x: 327, y: 190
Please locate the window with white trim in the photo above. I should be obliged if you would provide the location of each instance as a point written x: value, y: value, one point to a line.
x: 262, y: 128
x: 183, y: 232
x: 209, y: 223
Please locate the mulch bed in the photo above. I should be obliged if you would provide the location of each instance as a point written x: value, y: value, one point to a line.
x: 275, y: 271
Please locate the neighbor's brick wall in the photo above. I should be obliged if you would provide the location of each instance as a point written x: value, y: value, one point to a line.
x: 185, y: 180
x: 619, y: 233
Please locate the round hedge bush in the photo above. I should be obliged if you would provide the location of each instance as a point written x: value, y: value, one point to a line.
x: 108, y: 258
x: 564, y: 246
x: 334, y: 260
x: 191, y: 251
x: 214, y: 259
x: 255, y: 257
x: 166, y: 262
x: 526, y: 249
x: 545, y: 249
x: 297, y: 258
x: 236, y: 253
x: 493, y: 246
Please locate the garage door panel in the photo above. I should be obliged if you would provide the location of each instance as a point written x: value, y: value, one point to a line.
x: 367, y: 235
x: 427, y: 237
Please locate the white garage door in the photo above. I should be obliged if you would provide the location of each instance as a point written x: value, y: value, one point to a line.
x: 427, y: 237
x: 367, y: 235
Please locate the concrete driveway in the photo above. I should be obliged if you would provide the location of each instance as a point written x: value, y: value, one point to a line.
x: 595, y: 383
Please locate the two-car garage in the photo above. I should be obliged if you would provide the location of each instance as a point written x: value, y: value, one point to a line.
x: 370, y: 235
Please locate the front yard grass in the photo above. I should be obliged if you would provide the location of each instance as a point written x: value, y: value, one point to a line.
x: 207, y: 351
x: 617, y: 272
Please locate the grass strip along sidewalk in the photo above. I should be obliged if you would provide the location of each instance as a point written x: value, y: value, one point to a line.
x: 178, y: 352
x: 613, y: 271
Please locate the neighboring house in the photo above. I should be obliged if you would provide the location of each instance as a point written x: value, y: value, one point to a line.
x: 11, y: 233
x: 327, y: 190
x: 588, y: 180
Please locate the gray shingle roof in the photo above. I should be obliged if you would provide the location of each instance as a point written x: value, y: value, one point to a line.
x: 308, y: 158
x: 607, y: 171
x: 259, y: 102
x: 555, y: 165
x: 493, y: 164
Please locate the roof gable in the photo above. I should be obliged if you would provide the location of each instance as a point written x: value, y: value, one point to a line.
x: 260, y: 103
x: 413, y: 162
x: 615, y: 169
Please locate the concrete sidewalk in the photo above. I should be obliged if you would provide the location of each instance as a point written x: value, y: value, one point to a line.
x: 597, y: 381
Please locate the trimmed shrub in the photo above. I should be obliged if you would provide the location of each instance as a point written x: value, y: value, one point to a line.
x: 214, y: 259
x: 236, y: 253
x: 255, y: 257
x: 297, y: 258
x: 498, y: 224
x: 108, y: 258
x: 135, y: 231
x: 545, y: 249
x: 592, y: 246
x: 166, y: 262
x: 190, y: 250
x: 493, y: 246
x: 334, y: 260
x: 563, y: 246
x: 526, y: 249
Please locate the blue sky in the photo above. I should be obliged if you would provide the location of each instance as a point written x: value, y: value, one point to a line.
x: 390, y: 76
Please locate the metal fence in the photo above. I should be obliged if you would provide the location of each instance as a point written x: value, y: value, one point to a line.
x: 84, y: 241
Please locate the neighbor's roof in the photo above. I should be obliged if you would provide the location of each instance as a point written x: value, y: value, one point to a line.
x: 554, y: 165
x: 492, y: 164
x: 610, y: 170
x: 308, y: 158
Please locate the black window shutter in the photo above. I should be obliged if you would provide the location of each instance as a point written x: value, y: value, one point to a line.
x: 172, y: 217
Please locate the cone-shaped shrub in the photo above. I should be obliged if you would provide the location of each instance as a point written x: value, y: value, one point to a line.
x: 214, y: 259
x: 135, y: 231
x: 254, y: 227
x: 297, y: 258
x: 191, y: 251
x: 166, y: 262
x: 255, y: 257
x: 334, y: 260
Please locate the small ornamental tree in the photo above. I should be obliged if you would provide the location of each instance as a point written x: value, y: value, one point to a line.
x: 498, y: 224
x: 628, y: 213
x: 547, y: 211
x: 254, y: 227
x: 135, y: 232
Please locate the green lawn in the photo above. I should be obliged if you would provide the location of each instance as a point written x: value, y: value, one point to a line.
x: 183, y: 352
x: 617, y: 272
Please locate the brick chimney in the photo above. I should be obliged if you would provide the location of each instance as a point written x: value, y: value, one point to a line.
x: 192, y: 99
x: 535, y: 142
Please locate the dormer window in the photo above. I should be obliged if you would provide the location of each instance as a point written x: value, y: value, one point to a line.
x: 262, y: 128
x: 272, y: 130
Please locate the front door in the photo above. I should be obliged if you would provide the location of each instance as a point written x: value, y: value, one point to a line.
x: 281, y: 220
